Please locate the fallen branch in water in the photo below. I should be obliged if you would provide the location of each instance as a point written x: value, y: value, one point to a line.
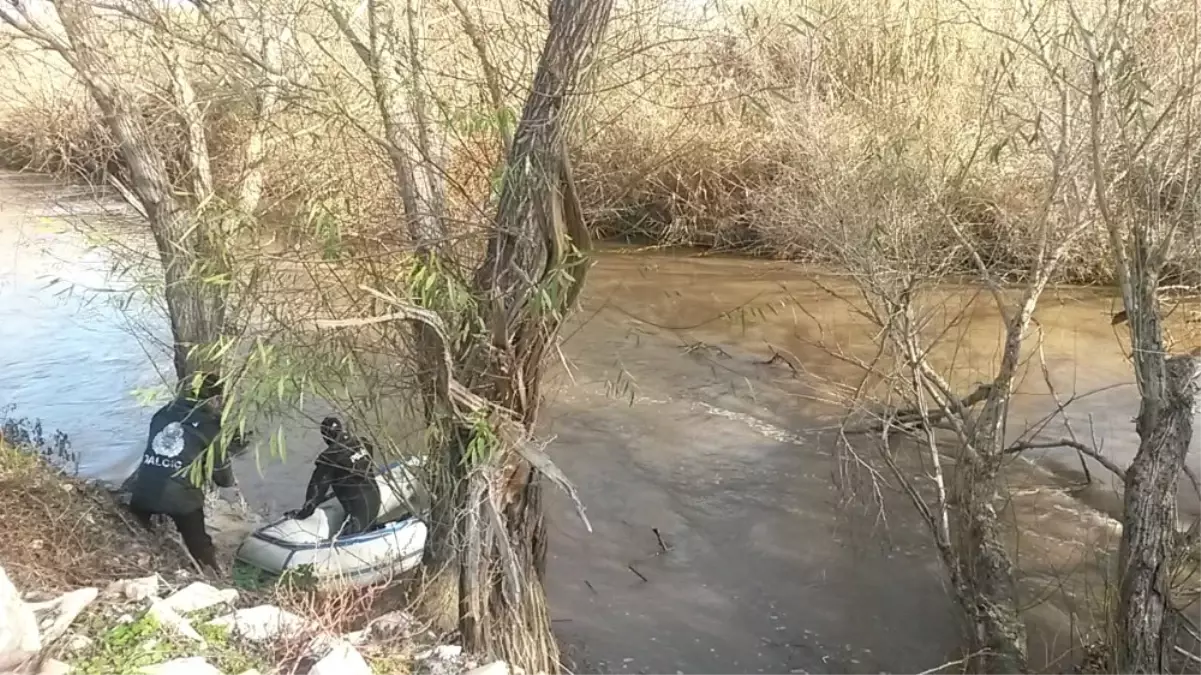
x: 911, y: 418
x: 1091, y: 452
x: 640, y: 575
x: 786, y: 359
x: 1088, y: 450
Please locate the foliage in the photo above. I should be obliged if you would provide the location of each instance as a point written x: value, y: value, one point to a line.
x: 142, y: 642
x: 128, y: 647
x: 29, y: 436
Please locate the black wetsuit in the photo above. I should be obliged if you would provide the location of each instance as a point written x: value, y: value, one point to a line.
x: 179, y: 433
x: 346, y: 467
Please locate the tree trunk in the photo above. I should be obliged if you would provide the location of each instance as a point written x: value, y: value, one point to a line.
x: 1165, y: 427
x: 538, y: 235
x: 987, y: 591
x: 188, y: 254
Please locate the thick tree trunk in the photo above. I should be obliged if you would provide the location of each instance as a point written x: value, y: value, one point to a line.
x: 988, y: 595
x: 987, y: 591
x: 529, y: 279
x: 188, y: 254
x: 1165, y: 427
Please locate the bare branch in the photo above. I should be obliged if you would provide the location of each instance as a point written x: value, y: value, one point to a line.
x: 510, y: 430
x: 1069, y: 443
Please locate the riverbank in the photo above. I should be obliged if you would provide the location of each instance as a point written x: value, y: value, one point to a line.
x: 85, y: 590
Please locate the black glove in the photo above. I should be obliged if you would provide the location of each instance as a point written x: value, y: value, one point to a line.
x: 239, y: 444
x: 298, y: 514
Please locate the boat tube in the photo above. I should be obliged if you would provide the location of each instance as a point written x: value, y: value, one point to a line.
x: 365, y: 558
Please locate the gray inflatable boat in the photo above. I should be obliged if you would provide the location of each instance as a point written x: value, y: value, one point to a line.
x: 369, y: 557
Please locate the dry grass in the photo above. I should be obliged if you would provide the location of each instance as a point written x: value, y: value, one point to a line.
x: 61, y: 534
x: 775, y: 127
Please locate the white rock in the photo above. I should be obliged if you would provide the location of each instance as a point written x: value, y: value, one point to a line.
x: 54, y: 667
x: 494, y: 668
x: 199, y: 595
x: 192, y: 665
x: 443, y: 660
x: 134, y: 589
x: 18, y: 625
x: 172, y: 621
x: 342, y: 660
x: 323, y: 644
x: 441, y: 653
x: 393, y: 624
x: 264, y: 622
x: 79, y: 643
x: 68, y: 607
x: 252, y: 671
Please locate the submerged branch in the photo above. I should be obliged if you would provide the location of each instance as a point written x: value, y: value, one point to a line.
x: 911, y: 416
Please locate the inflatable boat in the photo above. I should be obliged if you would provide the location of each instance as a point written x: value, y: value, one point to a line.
x: 365, y: 558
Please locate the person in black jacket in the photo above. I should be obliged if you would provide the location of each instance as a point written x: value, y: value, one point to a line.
x: 346, y: 467
x: 180, y: 432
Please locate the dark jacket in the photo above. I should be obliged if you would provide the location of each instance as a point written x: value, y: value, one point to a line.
x: 346, y: 468
x: 180, y: 432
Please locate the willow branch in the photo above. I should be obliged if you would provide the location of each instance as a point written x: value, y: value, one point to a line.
x: 466, y: 403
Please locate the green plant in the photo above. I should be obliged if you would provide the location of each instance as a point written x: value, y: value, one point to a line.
x: 300, y: 578
x: 248, y: 577
x: 128, y: 647
x: 229, y: 654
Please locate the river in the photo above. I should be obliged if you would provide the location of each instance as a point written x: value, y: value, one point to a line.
x: 723, y: 459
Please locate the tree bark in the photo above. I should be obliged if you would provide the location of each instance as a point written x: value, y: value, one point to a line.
x: 1165, y: 427
x: 530, y: 278
x: 188, y: 254
x: 987, y: 591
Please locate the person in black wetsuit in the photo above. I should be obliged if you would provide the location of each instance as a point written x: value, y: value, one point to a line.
x: 346, y: 467
x: 180, y: 432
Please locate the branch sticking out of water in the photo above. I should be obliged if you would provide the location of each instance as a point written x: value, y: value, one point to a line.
x: 1095, y: 454
x: 911, y: 417
x: 1104, y: 461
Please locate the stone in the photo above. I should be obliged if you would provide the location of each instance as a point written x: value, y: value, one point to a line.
x: 441, y: 653
x: 391, y: 625
x: 54, y: 667
x: 199, y: 595
x: 79, y: 643
x: 264, y: 622
x: 18, y: 625
x: 134, y: 589
x: 192, y: 665
x: 494, y: 668
x: 323, y: 644
x: 67, y: 608
x: 252, y: 671
x: 442, y: 660
x: 173, y: 621
x: 343, y: 659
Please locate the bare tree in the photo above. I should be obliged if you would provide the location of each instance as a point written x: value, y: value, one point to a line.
x: 944, y: 445
x: 484, y: 352
x: 1077, y: 86
x: 1145, y: 146
x: 191, y: 226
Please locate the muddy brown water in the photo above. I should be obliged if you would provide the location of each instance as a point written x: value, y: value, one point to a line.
x: 721, y: 542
